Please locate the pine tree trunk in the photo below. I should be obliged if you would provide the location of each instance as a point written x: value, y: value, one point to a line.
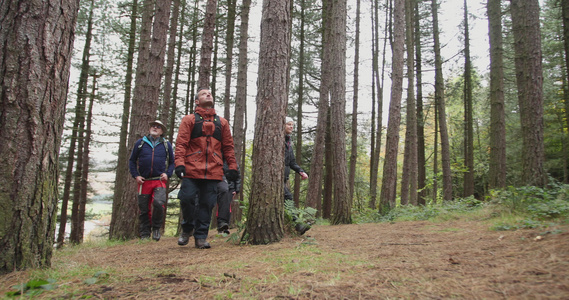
x: 165, y: 110
x: 354, y: 138
x: 207, y: 45
x: 34, y: 75
x: 497, y: 160
x: 121, y: 177
x: 241, y: 102
x: 409, y: 176
x: 79, y: 108
x: 468, y: 184
x: 439, y: 96
x: 565, y: 11
x: 314, y: 193
x: 421, y: 160
x: 529, y: 77
x: 389, y: 183
x: 229, y: 40
x: 301, y: 74
x: 265, y: 221
x: 342, y: 208
x: 76, y: 235
x: 124, y: 223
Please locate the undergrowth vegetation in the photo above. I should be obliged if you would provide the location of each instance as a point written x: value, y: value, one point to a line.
x: 508, y: 209
x: 511, y: 208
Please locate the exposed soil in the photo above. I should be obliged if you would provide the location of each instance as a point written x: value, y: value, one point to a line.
x: 406, y: 260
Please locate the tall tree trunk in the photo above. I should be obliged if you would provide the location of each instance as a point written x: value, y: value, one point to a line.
x: 354, y: 145
x: 565, y: 12
x: 497, y: 160
x: 150, y: 65
x: 468, y: 184
x: 298, y: 145
x: 79, y: 111
x: 377, y: 85
x: 214, y: 60
x: 77, y: 236
x: 314, y: 193
x: 240, y: 102
x: 529, y: 77
x: 374, y: 159
x: 230, y: 37
x: 389, y: 183
x: 329, y: 177
x: 410, y: 169
x: 174, y: 105
x: 207, y: 45
x: 164, y: 111
x: 121, y: 178
x: 34, y: 74
x: 124, y: 221
x: 440, y: 103
x: 374, y: 72
x: 265, y: 221
x: 342, y: 204
x: 421, y: 160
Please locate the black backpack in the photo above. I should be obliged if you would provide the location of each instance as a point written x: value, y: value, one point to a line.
x: 198, y: 132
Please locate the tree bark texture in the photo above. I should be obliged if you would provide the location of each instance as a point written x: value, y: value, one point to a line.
x: 342, y: 208
x: 440, y: 104
x: 207, y: 45
x: 36, y: 44
x: 389, y: 185
x: 120, y: 178
x: 314, y: 193
x: 265, y: 222
x: 468, y: 184
x: 497, y: 160
x: 354, y: 138
x: 241, y: 100
x: 421, y: 160
x: 410, y: 169
x: 529, y: 77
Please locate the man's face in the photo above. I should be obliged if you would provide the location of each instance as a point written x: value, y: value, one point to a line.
x: 289, y: 127
x: 205, y: 99
x: 156, y: 130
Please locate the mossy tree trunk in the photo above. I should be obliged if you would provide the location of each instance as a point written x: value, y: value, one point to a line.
x: 36, y: 54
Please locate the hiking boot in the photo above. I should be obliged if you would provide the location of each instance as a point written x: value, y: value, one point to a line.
x: 144, y: 237
x: 202, y: 244
x: 223, y: 227
x: 156, y: 234
x: 185, y: 238
x: 301, y: 228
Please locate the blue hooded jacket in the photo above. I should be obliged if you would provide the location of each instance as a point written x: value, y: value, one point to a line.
x: 149, y: 161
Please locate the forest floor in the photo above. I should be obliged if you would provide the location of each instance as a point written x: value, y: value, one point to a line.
x: 403, y: 260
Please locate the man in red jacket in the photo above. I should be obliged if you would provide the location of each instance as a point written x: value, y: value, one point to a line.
x: 204, y: 141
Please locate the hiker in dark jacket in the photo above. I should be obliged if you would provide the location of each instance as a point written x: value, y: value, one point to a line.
x: 290, y: 161
x: 151, y: 163
x: 226, y: 191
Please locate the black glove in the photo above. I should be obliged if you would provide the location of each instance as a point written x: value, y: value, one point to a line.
x: 180, y: 171
x: 232, y: 175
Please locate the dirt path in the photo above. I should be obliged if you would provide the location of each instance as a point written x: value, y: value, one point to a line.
x: 407, y: 260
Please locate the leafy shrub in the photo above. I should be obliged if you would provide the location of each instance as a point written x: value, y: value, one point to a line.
x: 299, y: 215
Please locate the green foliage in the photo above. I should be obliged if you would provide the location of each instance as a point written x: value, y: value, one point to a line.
x: 534, y: 201
x: 296, y: 215
x: 32, y: 288
x: 419, y: 213
x: 101, y: 275
x: 532, y: 205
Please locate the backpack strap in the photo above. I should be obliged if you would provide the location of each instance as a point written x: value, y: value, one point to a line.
x: 197, y: 131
